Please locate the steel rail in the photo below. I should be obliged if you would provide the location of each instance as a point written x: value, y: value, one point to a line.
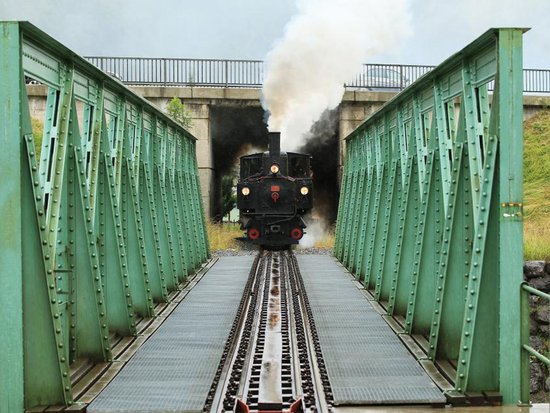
x: 251, y: 397
x: 230, y: 357
x: 244, y: 383
x: 297, y: 385
x: 321, y: 390
x: 272, y: 359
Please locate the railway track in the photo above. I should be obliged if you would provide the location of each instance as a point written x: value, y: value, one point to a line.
x: 272, y: 359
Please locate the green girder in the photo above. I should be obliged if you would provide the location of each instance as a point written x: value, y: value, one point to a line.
x: 430, y: 215
x: 104, y: 224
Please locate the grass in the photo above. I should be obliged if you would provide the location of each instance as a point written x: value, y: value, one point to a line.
x: 222, y: 236
x: 37, y: 129
x: 326, y: 241
x: 537, y: 240
x: 536, y: 187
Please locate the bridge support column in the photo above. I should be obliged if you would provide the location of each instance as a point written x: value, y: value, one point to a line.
x: 200, y: 128
x: 199, y: 107
x: 354, y: 109
x: 11, y: 243
x: 510, y: 248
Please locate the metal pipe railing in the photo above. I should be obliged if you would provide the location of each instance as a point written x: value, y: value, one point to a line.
x: 250, y: 73
x: 535, y: 353
x: 182, y: 72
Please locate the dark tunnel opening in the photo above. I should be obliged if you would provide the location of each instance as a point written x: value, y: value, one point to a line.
x: 235, y: 131
x: 322, y: 145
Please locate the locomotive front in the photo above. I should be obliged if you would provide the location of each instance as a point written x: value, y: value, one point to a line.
x: 274, y: 191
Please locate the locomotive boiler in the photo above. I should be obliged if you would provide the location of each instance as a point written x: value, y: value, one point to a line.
x: 274, y: 192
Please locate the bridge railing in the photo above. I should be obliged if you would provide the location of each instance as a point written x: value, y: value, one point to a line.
x: 179, y: 72
x: 101, y: 215
x: 250, y: 73
x: 431, y: 215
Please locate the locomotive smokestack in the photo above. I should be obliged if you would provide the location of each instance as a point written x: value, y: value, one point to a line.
x: 274, y: 144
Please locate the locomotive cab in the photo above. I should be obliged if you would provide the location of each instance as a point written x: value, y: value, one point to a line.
x: 274, y: 192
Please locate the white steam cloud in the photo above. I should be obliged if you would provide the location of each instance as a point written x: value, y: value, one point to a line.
x: 316, y: 231
x: 324, y: 45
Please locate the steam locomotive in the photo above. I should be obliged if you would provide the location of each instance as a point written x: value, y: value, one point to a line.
x: 274, y: 191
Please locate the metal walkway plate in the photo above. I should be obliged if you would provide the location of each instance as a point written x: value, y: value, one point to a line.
x: 366, y: 362
x: 174, y: 369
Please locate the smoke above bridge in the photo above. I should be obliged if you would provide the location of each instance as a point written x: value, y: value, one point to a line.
x: 323, y: 47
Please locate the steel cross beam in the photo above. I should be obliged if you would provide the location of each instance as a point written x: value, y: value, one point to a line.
x: 430, y: 217
x: 102, y: 216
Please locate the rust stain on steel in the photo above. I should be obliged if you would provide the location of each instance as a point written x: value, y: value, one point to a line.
x: 273, y: 320
x: 270, y: 388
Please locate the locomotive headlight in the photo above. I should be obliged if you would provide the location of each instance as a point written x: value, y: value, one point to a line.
x: 245, y: 190
x: 274, y: 168
x: 304, y: 190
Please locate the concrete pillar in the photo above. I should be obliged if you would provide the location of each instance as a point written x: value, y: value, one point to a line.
x: 37, y: 101
x: 200, y: 128
x: 352, y: 114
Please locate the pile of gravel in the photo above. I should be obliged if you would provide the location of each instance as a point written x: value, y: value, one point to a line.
x: 233, y: 252
x: 313, y: 250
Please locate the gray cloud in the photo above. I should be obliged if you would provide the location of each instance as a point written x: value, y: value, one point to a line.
x: 248, y: 28
x: 172, y: 28
x: 442, y: 27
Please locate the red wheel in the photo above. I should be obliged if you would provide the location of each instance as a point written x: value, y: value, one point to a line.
x: 253, y: 233
x: 296, y: 233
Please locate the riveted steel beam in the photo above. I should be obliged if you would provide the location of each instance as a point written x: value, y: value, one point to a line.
x: 435, y: 228
x: 11, y: 316
x: 344, y: 202
x: 94, y: 230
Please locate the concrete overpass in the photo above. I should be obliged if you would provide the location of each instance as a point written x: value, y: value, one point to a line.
x: 355, y: 107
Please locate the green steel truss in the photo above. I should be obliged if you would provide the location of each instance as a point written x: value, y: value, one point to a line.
x: 103, y: 224
x: 430, y: 216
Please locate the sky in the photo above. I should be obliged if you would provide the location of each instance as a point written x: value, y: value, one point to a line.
x: 248, y: 29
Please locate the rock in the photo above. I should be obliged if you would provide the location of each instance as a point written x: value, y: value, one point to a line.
x: 536, y: 377
x: 542, y: 316
x: 533, y: 269
x: 540, y: 283
x: 313, y: 250
x: 544, y: 330
x: 536, y: 342
x: 547, y: 268
x: 533, y: 327
x: 535, y: 300
x: 232, y: 252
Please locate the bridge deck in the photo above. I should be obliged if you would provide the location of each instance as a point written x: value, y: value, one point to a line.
x: 174, y: 369
x: 365, y: 360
